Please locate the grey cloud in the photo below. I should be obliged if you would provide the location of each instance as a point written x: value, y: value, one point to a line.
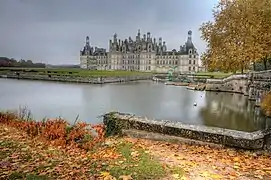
x: 54, y: 31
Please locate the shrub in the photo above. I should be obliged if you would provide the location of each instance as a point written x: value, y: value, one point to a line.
x: 266, y: 104
x: 56, y: 131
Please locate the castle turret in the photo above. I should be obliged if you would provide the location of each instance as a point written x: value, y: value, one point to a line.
x: 148, y: 36
x: 115, y: 38
x: 164, y: 46
x: 189, y: 44
x: 138, y: 36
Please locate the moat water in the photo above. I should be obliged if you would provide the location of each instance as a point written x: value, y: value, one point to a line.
x: 150, y: 99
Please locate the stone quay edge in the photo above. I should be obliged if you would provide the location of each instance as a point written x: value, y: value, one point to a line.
x: 258, y: 140
x: 71, y: 79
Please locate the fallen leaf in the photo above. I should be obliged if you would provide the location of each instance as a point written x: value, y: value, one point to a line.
x: 105, y: 174
x: 123, y: 177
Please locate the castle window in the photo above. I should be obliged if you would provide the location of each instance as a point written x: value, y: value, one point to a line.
x: 170, y: 62
x: 194, y: 56
x: 149, y: 61
x: 193, y: 68
x: 189, y: 61
x: 189, y: 68
x: 176, y: 62
x: 190, y: 56
x: 194, y: 62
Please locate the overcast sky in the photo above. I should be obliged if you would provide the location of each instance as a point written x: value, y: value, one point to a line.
x: 54, y: 31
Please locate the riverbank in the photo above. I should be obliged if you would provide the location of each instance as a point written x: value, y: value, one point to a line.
x: 26, y: 157
x: 74, y: 75
x: 72, y: 71
x: 190, y: 86
x: 34, y: 150
x: 77, y: 79
x: 55, y: 149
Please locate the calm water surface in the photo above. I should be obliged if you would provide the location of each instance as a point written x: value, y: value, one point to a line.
x: 154, y: 100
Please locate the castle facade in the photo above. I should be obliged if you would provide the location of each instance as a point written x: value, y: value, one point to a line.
x: 142, y: 54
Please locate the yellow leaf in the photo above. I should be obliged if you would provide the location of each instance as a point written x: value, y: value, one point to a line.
x: 236, y: 159
x: 236, y: 166
x: 176, y: 176
x: 105, y: 174
x: 216, y: 176
x: 129, y: 177
x: 205, y: 174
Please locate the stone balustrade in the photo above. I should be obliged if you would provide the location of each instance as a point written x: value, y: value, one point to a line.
x: 247, y: 140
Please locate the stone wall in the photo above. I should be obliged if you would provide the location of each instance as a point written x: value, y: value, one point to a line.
x: 234, y: 83
x: 259, y: 83
x: 255, y: 140
x: 76, y: 79
x: 254, y: 84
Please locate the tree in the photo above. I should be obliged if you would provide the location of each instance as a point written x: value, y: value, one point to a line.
x: 7, y: 62
x: 239, y: 34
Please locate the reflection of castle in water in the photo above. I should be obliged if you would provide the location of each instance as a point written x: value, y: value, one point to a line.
x: 232, y: 111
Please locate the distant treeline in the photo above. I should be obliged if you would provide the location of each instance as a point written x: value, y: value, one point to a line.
x: 62, y: 66
x: 10, y: 62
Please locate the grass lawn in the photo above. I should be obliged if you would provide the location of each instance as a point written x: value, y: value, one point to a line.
x: 26, y: 157
x: 218, y: 75
x: 22, y: 157
x: 75, y: 71
x: 133, y: 162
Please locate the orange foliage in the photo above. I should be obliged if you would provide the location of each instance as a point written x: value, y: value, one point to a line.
x: 58, y: 131
x: 266, y: 104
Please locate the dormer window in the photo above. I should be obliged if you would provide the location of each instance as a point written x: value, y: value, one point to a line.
x: 190, y: 51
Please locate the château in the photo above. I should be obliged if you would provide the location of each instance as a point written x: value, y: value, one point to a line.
x: 142, y: 54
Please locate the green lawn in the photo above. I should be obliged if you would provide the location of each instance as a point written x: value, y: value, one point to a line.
x: 75, y: 71
x: 218, y: 75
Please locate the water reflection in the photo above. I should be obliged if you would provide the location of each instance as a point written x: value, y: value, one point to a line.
x: 232, y: 111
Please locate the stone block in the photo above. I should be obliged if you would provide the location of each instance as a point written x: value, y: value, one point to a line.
x: 254, y: 140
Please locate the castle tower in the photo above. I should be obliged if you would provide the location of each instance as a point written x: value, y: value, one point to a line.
x: 189, y: 44
x: 164, y: 46
x: 189, y: 38
x: 87, y: 41
x: 115, y: 38
x: 138, y: 35
x: 87, y: 48
x: 148, y: 36
x: 160, y: 41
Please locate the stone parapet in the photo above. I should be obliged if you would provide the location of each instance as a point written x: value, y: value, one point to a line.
x: 239, y: 139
